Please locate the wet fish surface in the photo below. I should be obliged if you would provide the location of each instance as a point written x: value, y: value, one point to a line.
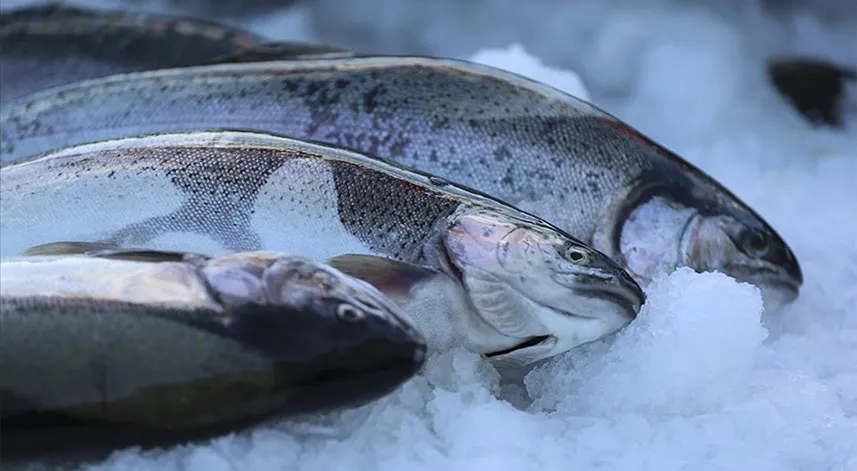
x: 522, y: 289
x: 523, y: 142
x: 51, y: 45
x: 111, y: 350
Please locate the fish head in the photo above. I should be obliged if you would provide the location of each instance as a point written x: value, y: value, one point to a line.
x: 674, y: 214
x: 339, y: 338
x: 702, y: 227
x: 745, y: 249
x: 538, y: 286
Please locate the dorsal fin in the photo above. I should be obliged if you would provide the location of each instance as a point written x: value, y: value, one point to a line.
x: 68, y: 248
x: 111, y: 251
x: 281, y: 50
x: 393, y: 278
x: 47, y: 11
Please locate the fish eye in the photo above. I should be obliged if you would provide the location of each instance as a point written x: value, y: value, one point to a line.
x: 576, y: 255
x: 756, y: 241
x: 349, y: 313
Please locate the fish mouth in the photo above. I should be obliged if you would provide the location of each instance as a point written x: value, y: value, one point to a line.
x: 616, y: 296
x: 597, y: 288
x: 767, y: 278
x: 530, y: 342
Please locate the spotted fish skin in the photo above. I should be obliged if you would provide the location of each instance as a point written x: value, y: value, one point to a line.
x: 51, y: 45
x: 527, y: 289
x: 518, y: 140
x: 100, y: 352
x: 228, y: 192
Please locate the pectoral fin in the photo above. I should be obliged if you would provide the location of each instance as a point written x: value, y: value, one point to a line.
x: 111, y: 251
x: 393, y: 278
x: 146, y: 255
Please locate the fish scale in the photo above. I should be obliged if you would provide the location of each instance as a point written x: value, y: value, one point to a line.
x: 520, y: 141
x: 418, y: 237
x: 374, y: 207
x: 210, y: 191
x: 220, y: 190
x: 349, y: 108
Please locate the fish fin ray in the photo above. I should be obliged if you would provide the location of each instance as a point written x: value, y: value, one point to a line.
x: 69, y: 248
x: 111, y: 251
x: 393, y: 278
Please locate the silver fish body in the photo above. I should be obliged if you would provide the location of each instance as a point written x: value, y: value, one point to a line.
x: 100, y: 352
x: 520, y: 141
x: 522, y: 280
x: 51, y: 45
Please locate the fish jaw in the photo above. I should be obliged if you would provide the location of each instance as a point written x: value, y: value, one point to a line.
x: 358, y: 343
x: 551, y: 329
x: 543, y: 291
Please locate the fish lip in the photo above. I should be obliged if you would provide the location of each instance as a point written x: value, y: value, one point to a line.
x: 622, y: 301
x: 631, y: 307
x: 778, y: 279
x: 609, y: 288
x: 792, y: 285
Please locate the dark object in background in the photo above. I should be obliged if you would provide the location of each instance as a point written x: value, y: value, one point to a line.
x: 814, y: 86
x: 281, y: 50
x: 169, y: 351
x: 51, y: 45
x: 240, y: 9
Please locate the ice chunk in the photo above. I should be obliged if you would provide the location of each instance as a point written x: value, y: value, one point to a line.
x: 691, y: 350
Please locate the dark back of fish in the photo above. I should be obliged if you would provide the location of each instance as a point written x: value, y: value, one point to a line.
x: 99, y: 352
x: 234, y: 385
x: 53, y: 45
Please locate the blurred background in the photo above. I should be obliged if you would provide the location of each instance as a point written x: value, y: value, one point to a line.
x: 716, y: 49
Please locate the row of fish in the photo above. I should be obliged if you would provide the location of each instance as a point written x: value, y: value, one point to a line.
x: 459, y: 203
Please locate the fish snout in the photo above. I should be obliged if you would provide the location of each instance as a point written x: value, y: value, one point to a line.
x: 781, y: 287
x: 381, y: 353
x: 778, y: 262
x: 628, y: 287
x: 337, y: 352
x: 792, y: 269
